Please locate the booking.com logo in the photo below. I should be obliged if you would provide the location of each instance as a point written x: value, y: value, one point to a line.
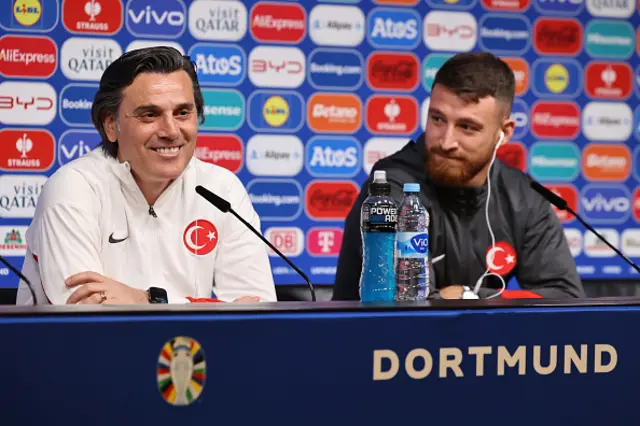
x: 276, y: 199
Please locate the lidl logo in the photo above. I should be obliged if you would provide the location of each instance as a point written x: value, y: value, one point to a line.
x: 75, y: 104
x: 505, y: 35
x: 610, y: 39
x: 557, y: 36
x: 554, y: 161
x: 394, y: 28
x: 561, y: 78
x: 275, y: 111
x: 223, y: 109
x: 559, y: 7
x: 39, y: 16
x: 608, y: 80
x: 520, y: 69
x: 606, y: 162
x: 335, y: 69
x: 520, y: 114
x: 328, y: 156
x: 219, y: 64
x: 452, y: 4
x: 432, y: 63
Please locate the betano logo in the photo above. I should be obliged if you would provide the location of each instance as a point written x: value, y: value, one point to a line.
x: 606, y: 162
x: 520, y: 69
x: 483, y: 361
x: 334, y: 113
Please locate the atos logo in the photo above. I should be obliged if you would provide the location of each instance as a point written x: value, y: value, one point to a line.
x: 606, y: 204
x: 505, y: 35
x: 75, y: 104
x: 35, y: 16
x: 76, y: 143
x: 328, y: 156
x: 559, y: 7
x: 276, y: 199
x: 520, y: 114
x: 561, y: 78
x: 150, y: 18
x: 275, y: 111
x: 335, y: 69
x: 394, y: 28
x: 219, y: 64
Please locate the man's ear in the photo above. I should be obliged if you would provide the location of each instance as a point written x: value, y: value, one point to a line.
x: 110, y: 128
x: 508, y: 127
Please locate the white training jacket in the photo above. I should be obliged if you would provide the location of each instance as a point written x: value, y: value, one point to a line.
x: 92, y: 216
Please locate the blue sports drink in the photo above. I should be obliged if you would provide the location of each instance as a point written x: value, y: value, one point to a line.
x: 412, y: 247
x: 378, y: 217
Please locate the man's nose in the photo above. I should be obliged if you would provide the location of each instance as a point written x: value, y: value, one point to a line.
x: 449, y: 141
x: 169, y: 128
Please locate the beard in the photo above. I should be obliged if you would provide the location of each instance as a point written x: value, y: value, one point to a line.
x: 451, y: 170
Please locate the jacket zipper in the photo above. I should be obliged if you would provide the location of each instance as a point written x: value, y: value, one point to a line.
x: 152, y: 212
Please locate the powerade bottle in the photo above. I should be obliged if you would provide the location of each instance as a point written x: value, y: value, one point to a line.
x: 412, y: 247
x: 378, y: 218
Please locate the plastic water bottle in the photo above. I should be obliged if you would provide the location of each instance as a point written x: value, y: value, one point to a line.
x: 412, y: 247
x: 378, y: 218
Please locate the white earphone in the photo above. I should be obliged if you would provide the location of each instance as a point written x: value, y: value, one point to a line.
x: 501, y: 140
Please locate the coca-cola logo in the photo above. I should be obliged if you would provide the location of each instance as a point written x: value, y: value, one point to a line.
x: 558, y: 36
x: 330, y: 200
x: 393, y: 71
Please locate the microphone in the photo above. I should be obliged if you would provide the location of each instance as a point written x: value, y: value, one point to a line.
x: 224, y: 206
x: 22, y: 277
x: 561, y: 203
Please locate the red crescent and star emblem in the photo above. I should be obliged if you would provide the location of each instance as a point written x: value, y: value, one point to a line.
x: 200, y: 237
x: 501, y: 259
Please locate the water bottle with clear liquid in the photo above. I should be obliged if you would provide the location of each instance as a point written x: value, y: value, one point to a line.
x: 412, y: 247
x: 378, y: 217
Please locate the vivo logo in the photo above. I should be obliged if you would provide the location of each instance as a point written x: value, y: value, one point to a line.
x: 606, y: 203
x: 150, y: 16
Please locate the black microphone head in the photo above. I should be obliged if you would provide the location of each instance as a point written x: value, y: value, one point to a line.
x: 549, y: 195
x: 221, y: 204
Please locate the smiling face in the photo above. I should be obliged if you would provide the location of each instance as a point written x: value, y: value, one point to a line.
x: 156, y: 127
x: 461, y: 137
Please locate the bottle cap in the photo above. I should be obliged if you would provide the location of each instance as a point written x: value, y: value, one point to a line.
x: 411, y: 187
x: 379, y: 176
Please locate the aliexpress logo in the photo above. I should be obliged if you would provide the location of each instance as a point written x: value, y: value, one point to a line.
x: 520, y: 69
x: 604, y: 162
x: 555, y: 120
x: 334, y: 113
x: 570, y: 194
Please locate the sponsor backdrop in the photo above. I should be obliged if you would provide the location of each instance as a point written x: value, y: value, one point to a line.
x: 303, y: 98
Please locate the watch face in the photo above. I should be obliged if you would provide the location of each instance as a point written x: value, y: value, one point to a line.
x: 157, y: 295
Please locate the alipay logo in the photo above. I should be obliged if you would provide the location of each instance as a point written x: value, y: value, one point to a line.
x: 333, y: 157
x: 432, y: 64
x: 76, y: 143
x: 219, y: 64
x: 610, y: 39
x: 276, y: 199
x: 559, y: 161
x: 396, y: 28
x: 223, y: 109
x: 605, y: 203
x: 275, y: 111
x: 75, y: 104
x: 520, y: 114
x: 335, y: 69
x: 165, y: 19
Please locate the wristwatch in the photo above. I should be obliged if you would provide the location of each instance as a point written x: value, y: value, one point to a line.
x: 157, y: 295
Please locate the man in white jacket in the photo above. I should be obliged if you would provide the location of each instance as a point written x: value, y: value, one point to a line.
x: 124, y: 224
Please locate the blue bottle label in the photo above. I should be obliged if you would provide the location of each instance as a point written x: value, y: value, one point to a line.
x: 412, y: 244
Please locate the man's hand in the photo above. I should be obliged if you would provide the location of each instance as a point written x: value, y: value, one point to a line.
x: 452, y: 292
x: 247, y: 299
x: 95, y: 289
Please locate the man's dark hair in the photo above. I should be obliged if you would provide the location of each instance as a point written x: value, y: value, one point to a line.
x: 124, y: 70
x: 476, y: 75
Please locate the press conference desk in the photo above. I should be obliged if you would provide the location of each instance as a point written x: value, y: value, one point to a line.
x: 506, y: 362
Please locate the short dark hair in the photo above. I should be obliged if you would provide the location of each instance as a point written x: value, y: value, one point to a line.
x: 124, y: 70
x: 476, y: 75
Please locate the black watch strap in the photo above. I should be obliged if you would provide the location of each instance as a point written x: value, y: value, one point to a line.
x: 157, y: 295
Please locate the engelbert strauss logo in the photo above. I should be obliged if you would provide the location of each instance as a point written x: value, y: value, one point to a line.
x: 181, y: 371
